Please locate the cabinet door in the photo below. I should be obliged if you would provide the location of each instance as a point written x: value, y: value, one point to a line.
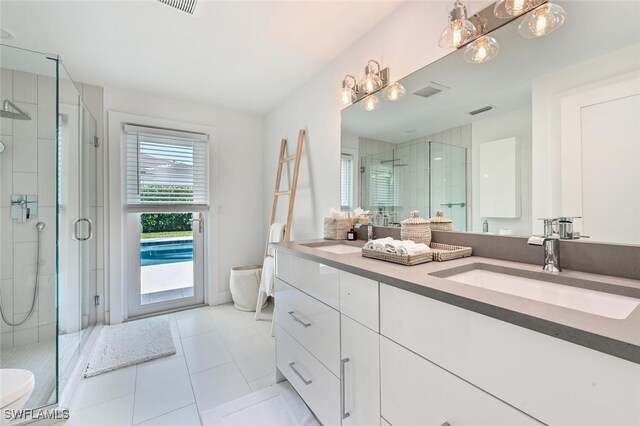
x: 418, y: 392
x: 360, y: 374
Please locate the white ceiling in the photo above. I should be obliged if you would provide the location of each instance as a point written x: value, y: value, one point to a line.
x: 237, y: 54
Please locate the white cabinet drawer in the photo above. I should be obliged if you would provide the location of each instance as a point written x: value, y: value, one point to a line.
x: 359, y: 299
x: 318, y: 280
x: 317, y: 386
x: 417, y: 392
x: 553, y: 380
x: 312, y: 323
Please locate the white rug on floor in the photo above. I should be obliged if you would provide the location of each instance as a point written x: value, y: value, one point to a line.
x: 130, y: 343
x: 277, y: 405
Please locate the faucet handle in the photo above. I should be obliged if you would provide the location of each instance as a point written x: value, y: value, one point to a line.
x: 548, y: 225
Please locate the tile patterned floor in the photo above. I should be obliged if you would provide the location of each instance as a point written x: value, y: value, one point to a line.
x: 222, y: 354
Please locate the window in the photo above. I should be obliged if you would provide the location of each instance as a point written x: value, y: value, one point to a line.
x: 346, y: 181
x: 382, y: 186
x: 165, y: 167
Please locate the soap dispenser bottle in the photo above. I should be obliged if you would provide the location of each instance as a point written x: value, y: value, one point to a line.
x: 485, y: 226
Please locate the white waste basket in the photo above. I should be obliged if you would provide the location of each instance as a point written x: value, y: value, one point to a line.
x: 244, y: 284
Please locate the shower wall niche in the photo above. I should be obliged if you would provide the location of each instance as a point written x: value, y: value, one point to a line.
x: 51, y: 156
x: 420, y: 174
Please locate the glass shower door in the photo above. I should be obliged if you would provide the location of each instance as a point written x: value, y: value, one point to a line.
x: 77, y: 218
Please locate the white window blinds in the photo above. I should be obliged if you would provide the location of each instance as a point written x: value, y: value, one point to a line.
x: 346, y: 181
x: 165, y: 167
x: 382, y: 186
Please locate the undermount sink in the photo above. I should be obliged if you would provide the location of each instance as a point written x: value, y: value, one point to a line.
x: 545, y: 288
x: 336, y: 248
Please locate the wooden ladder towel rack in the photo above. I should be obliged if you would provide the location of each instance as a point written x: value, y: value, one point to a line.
x: 291, y: 192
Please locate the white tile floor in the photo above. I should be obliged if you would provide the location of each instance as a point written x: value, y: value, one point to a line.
x: 222, y: 354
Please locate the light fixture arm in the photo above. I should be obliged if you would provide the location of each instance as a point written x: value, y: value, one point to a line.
x: 369, y: 69
x: 350, y: 84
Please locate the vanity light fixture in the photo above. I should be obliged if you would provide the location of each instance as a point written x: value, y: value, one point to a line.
x: 371, y: 80
x: 370, y: 103
x: 513, y: 8
x: 394, y: 91
x: 542, y: 21
x: 460, y: 30
x: 347, y: 94
x: 375, y: 78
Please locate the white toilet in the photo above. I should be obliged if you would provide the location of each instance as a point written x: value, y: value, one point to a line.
x: 16, y: 388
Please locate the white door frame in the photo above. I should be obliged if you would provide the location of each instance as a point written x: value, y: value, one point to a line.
x: 116, y: 259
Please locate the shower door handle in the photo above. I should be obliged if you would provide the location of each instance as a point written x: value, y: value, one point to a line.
x: 76, y: 226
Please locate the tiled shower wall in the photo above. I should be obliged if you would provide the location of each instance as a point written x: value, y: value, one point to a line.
x: 28, y: 166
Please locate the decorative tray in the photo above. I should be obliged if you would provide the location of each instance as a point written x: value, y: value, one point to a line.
x: 396, y: 258
x: 442, y: 252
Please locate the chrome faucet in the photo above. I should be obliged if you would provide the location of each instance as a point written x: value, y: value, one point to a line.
x: 551, y: 243
x: 369, y: 226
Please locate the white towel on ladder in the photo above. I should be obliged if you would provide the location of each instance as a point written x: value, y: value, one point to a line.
x: 276, y: 234
x: 268, y: 278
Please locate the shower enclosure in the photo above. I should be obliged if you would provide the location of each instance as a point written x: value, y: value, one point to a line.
x: 48, y: 216
x: 426, y: 176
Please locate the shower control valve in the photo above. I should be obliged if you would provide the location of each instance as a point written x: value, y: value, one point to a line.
x: 24, y: 207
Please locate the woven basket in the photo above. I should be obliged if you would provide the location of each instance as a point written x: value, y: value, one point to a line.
x: 441, y: 223
x: 442, y: 252
x: 396, y: 258
x: 335, y: 229
x: 416, y: 229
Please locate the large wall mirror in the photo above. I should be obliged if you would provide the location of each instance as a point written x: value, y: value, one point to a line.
x: 548, y: 128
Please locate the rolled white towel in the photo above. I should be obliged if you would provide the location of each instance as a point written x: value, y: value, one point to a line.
x: 377, y: 246
x: 393, y: 245
x: 371, y: 245
x: 409, y: 248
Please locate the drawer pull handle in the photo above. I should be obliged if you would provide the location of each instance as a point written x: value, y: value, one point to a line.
x: 445, y: 424
x: 342, y: 393
x: 298, y: 320
x: 306, y: 382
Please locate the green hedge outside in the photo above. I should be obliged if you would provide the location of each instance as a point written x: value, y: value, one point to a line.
x: 165, y: 222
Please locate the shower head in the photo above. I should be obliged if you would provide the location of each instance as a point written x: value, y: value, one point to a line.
x: 16, y: 114
x: 40, y: 226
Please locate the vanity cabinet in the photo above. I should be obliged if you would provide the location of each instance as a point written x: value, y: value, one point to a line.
x: 365, y: 353
x: 417, y: 392
x: 554, y: 381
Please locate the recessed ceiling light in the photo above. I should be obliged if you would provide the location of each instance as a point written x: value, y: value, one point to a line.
x: 411, y: 131
x: 6, y: 34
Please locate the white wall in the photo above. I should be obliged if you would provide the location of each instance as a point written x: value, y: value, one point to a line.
x: 405, y: 41
x: 239, y: 192
x: 511, y: 124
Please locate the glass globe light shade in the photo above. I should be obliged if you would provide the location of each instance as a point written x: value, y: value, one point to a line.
x: 481, y: 50
x: 370, y: 103
x: 394, y: 91
x: 511, y: 8
x: 346, y: 96
x: 542, y: 21
x: 460, y: 30
x: 370, y: 82
x: 456, y: 34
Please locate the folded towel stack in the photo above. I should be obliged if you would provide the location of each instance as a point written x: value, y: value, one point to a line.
x: 403, y: 248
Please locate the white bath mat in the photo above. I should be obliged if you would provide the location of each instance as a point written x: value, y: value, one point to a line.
x: 277, y: 405
x: 130, y: 343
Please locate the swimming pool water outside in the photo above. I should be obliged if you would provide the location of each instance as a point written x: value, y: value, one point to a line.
x: 163, y: 251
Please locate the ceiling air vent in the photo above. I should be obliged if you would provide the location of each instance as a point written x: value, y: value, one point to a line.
x: 188, y: 6
x: 430, y: 89
x: 481, y: 110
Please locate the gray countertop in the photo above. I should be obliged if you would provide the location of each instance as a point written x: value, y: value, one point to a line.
x: 620, y: 338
